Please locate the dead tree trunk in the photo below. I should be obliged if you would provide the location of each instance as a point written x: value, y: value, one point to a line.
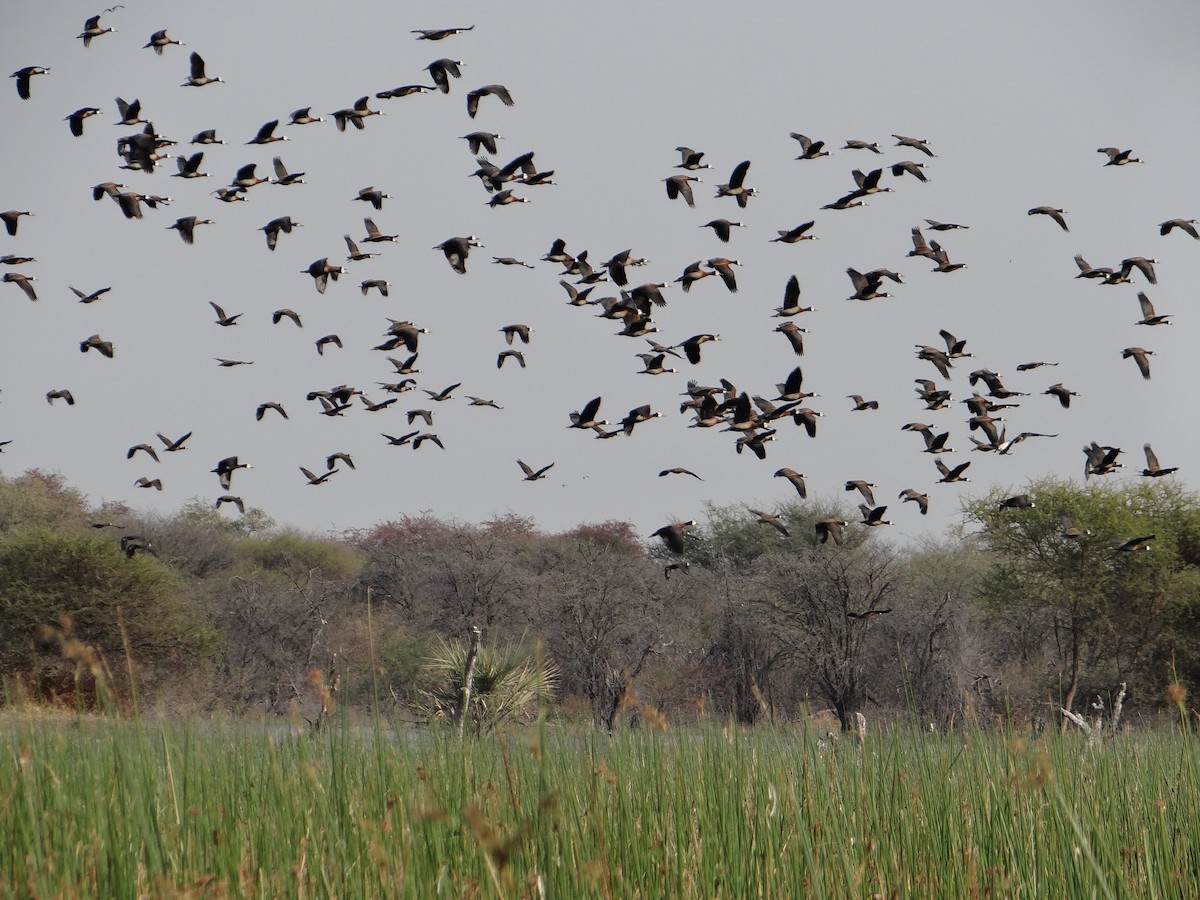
x: 468, y: 681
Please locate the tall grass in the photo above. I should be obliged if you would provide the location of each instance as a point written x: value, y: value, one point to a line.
x: 97, y: 807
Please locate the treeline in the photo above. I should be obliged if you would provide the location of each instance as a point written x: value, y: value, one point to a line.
x: 1012, y: 618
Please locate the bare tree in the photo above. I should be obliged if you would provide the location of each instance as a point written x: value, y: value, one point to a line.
x: 825, y: 603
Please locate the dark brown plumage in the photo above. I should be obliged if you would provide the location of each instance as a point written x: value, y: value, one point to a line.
x: 672, y: 535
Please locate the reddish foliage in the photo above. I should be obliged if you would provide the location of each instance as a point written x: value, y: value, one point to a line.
x: 614, y: 535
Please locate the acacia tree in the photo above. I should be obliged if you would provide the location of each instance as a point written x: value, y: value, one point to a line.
x: 1103, y: 610
x: 57, y: 587
x: 605, y: 609
x: 824, y: 602
x: 276, y: 610
x: 780, y: 622
x: 936, y: 632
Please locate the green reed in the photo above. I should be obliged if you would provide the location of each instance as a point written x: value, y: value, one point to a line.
x: 101, y: 807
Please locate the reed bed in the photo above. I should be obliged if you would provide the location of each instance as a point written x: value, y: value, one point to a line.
x: 102, y: 807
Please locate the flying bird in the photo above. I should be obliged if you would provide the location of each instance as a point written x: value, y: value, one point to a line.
x: 681, y: 186
x: 173, y: 445
x: 95, y: 342
x: 23, y: 282
x: 679, y: 470
x: 951, y: 475
x: 281, y: 314
x: 60, y: 394
x: 794, y: 235
x: 672, y: 535
x: 766, y: 518
x: 915, y: 143
x: 92, y: 29
x: 1018, y: 501
x: 586, y: 418
x: 456, y: 250
x: 809, y: 149
x: 1069, y: 528
x: 830, y: 528
x: 532, y: 474
x: 864, y: 488
x: 722, y: 228
x: 1149, y: 317
x: 75, y: 120
x: 318, y: 479
x: 442, y: 70
x: 1138, y: 354
x: 922, y: 500
x: 495, y: 90
x: 1118, y: 157
x: 1153, y: 469
x: 873, y: 517
x: 1188, y: 226
x: 92, y: 297
x: 230, y: 498
x: 159, y: 41
x: 438, y: 34
x: 263, y: 407
x: 11, y: 218
x: 796, y: 479
x: 186, y: 227
x: 198, y: 76
x: 1056, y: 214
x: 24, y: 76
x: 321, y: 271
x: 281, y: 225
x: 736, y: 187
x: 795, y: 335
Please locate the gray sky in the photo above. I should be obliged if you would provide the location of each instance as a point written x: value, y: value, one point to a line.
x: 1014, y: 99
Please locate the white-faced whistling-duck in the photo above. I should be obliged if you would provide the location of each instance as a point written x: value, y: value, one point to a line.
x: 1153, y: 469
x: 1139, y: 355
x: 442, y: 70
x: 915, y: 143
x: 532, y: 474
x: 795, y: 235
x: 809, y: 149
x: 159, y: 41
x: 75, y: 119
x: 92, y: 297
x: 1055, y: 214
x: 1118, y: 157
x: 275, y: 226
x: 24, y: 75
x: 198, y: 78
x: 92, y: 29
x: 680, y: 186
x: 1185, y: 225
x: 496, y: 90
x: 224, y: 319
x: 672, y: 535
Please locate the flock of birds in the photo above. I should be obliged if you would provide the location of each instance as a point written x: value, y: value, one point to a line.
x: 753, y: 418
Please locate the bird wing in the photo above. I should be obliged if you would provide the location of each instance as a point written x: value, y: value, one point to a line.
x: 1151, y: 458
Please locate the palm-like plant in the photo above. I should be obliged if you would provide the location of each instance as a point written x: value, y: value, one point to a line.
x: 508, y: 681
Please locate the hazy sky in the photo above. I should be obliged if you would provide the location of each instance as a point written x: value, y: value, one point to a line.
x: 1014, y: 99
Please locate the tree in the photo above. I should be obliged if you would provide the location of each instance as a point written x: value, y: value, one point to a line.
x: 42, y: 499
x: 275, y: 610
x: 935, y: 630
x: 1102, y: 609
x: 57, y: 587
x: 824, y: 602
x: 603, y: 609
